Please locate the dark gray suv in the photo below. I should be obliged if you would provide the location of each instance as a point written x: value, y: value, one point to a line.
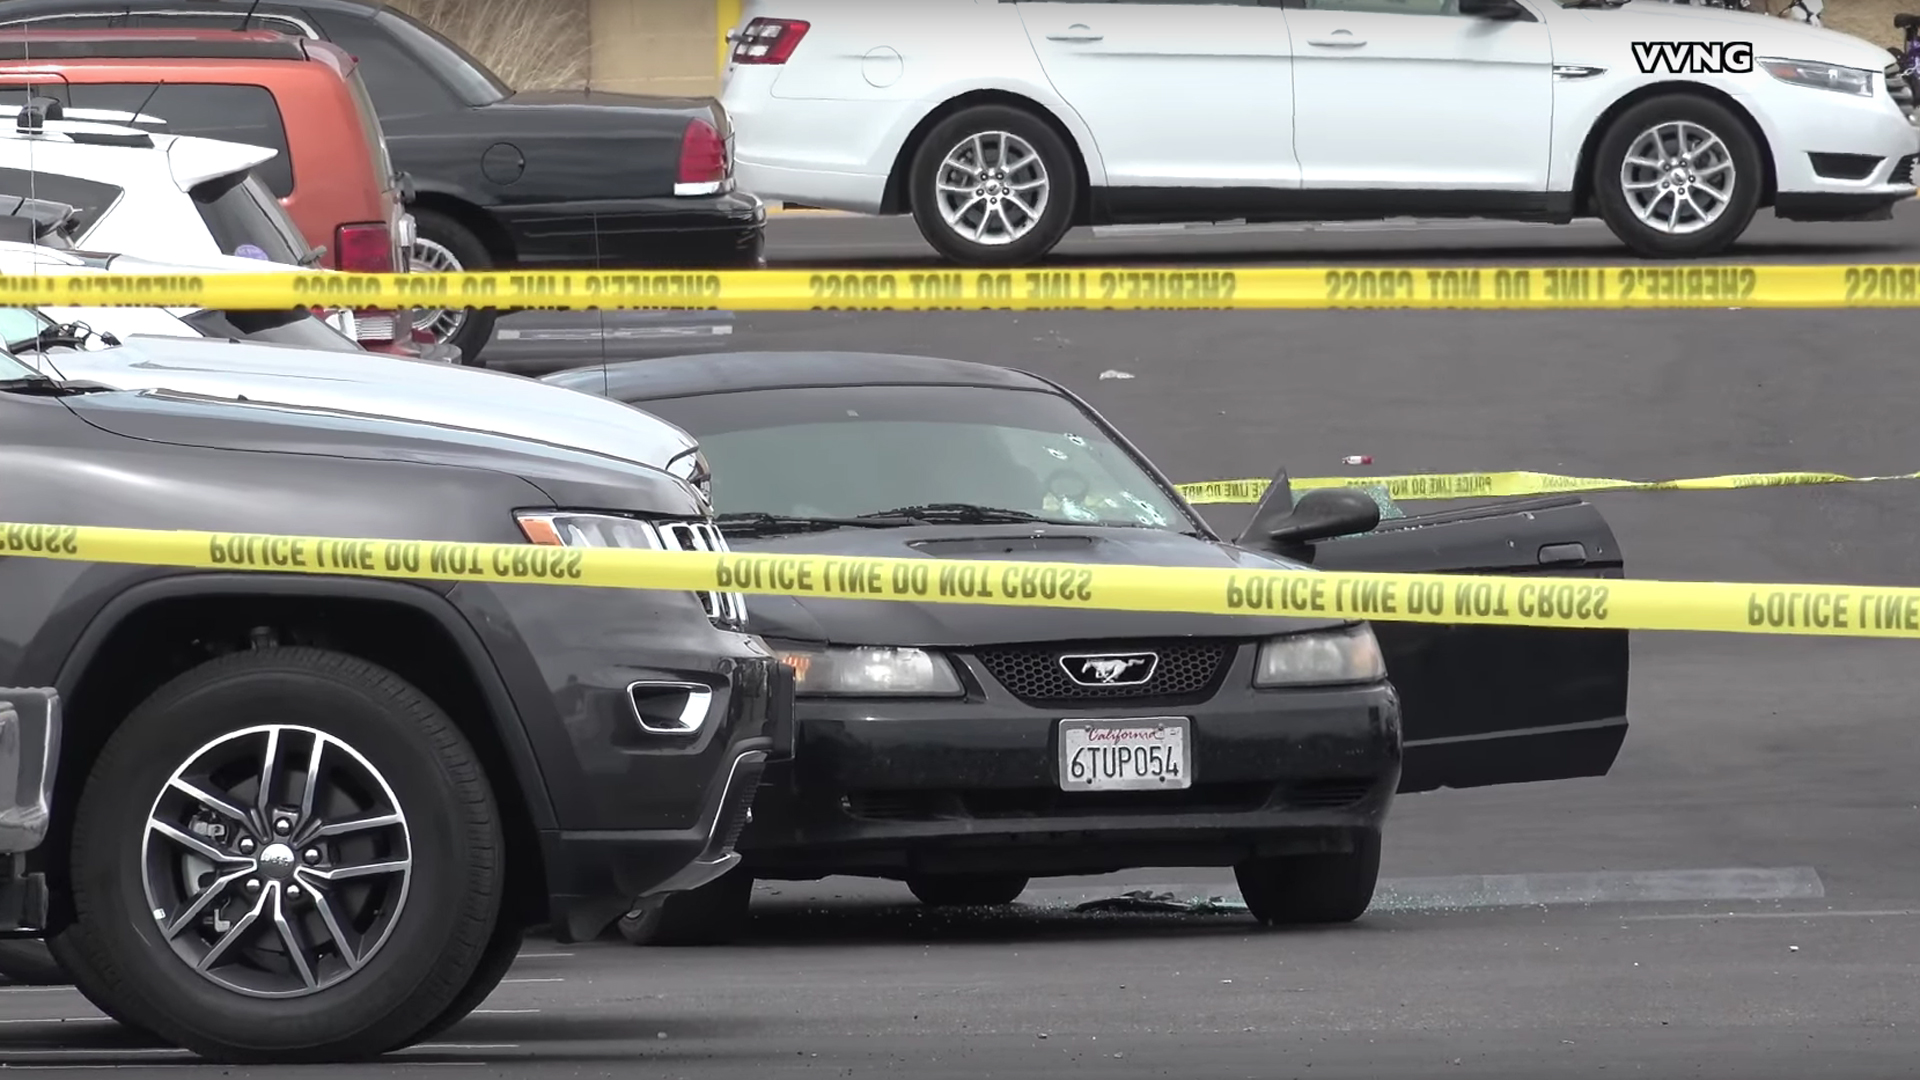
x: 293, y: 817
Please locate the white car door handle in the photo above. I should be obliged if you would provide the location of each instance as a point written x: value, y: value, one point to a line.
x: 1341, y: 39
x: 1077, y: 32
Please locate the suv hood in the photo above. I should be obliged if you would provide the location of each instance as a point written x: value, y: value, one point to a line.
x: 566, y: 477
x: 358, y: 382
x: 1604, y: 36
x: 944, y: 625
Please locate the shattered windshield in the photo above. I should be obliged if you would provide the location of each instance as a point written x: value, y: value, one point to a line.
x: 849, y: 452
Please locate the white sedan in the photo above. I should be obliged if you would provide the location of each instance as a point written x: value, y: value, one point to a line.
x: 1001, y: 124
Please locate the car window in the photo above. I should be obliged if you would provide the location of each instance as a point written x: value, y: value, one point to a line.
x: 243, y: 114
x: 19, y: 326
x: 245, y: 219
x: 370, y: 125
x: 299, y: 328
x: 465, y: 76
x: 843, y: 452
x: 218, y: 20
x: 89, y: 198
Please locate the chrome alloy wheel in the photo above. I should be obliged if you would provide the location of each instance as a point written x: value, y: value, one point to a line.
x: 431, y: 257
x: 276, y: 861
x: 1678, y: 177
x: 993, y: 188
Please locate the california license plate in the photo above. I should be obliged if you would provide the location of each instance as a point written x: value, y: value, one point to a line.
x: 1151, y: 754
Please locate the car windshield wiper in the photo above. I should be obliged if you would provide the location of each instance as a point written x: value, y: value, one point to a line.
x: 64, y: 335
x: 770, y: 524
x: 42, y: 386
x: 959, y: 514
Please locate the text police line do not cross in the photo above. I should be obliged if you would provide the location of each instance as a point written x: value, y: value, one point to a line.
x: 1693, y: 57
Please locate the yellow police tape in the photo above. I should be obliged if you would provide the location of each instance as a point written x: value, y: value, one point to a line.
x: 1571, y: 603
x: 1486, y: 485
x: 1545, y: 287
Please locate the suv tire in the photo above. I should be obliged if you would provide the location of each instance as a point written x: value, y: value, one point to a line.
x: 1025, y: 210
x: 1713, y: 182
x: 398, y: 854
x: 1312, y: 889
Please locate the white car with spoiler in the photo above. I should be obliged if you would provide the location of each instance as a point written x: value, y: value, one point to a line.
x: 1001, y: 124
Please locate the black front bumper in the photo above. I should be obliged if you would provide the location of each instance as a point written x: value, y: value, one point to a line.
x: 893, y: 789
x: 715, y: 232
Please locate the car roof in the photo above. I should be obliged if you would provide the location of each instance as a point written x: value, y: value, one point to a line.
x: 28, y: 45
x: 54, y: 8
x: 720, y: 373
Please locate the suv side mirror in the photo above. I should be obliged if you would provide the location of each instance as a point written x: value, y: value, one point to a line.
x: 1324, y: 514
x: 1503, y: 10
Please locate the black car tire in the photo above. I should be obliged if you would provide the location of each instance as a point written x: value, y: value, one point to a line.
x: 967, y: 890
x: 713, y: 914
x: 27, y: 962
x: 987, y: 122
x: 502, y: 951
x: 458, y: 246
x: 1624, y: 137
x: 1298, y: 890
x: 437, y: 935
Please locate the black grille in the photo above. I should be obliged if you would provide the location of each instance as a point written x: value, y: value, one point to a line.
x: 1326, y: 794
x: 1017, y: 803
x: 1903, y: 170
x: 1183, y: 669
x: 734, y: 812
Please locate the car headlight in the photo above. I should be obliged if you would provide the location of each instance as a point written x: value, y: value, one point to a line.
x: 869, y: 671
x: 1846, y: 80
x: 589, y: 530
x: 1320, y: 658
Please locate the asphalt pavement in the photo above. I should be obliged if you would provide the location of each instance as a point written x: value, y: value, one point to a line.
x: 1739, y: 899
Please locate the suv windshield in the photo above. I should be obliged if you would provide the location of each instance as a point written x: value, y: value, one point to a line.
x: 245, y: 219
x: 844, y: 452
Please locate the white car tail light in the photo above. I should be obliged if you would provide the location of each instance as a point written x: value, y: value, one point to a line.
x: 769, y: 41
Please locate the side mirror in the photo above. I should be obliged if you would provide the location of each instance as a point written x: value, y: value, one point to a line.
x: 1324, y: 514
x: 1504, y: 10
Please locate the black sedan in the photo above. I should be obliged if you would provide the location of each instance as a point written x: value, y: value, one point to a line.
x: 967, y: 749
x: 577, y: 180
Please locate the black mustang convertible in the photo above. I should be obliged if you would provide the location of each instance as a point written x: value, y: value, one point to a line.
x: 966, y: 749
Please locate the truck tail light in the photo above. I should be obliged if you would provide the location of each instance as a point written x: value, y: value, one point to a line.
x: 769, y: 41
x: 367, y: 248
x: 705, y: 165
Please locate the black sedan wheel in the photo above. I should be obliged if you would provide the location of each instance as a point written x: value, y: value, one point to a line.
x: 1310, y: 889
x: 967, y: 890
x: 284, y: 855
x: 444, y: 246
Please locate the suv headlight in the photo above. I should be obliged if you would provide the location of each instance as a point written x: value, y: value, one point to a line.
x: 589, y: 530
x: 869, y: 671
x: 1846, y: 80
x: 1320, y: 658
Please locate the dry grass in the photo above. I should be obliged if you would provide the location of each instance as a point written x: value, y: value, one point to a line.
x: 531, y: 44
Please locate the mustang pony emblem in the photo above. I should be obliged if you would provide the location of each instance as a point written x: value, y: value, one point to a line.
x: 1110, y: 669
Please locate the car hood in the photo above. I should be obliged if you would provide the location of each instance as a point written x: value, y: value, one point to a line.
x: 946, y: 625
x: 1604, y: 36
x: 360, y: 382
x: 566, y: 477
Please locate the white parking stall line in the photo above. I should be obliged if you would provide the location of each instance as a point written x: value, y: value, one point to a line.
x: 1705, y: 916
x: 463, y: 1046
x: 36, y: 989
x: 549, y: 980
x: 58, y: 1020
x: 503, y: 1012
x: 544, y: 955
x: 1477, y: 891
x: 93, y: 1052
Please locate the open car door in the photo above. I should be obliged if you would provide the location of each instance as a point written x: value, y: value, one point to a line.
x: 1485, y: 705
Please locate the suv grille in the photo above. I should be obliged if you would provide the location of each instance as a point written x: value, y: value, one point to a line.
x: 1900, y: 90
x: 727, y: 609
x: 1181, y: 669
